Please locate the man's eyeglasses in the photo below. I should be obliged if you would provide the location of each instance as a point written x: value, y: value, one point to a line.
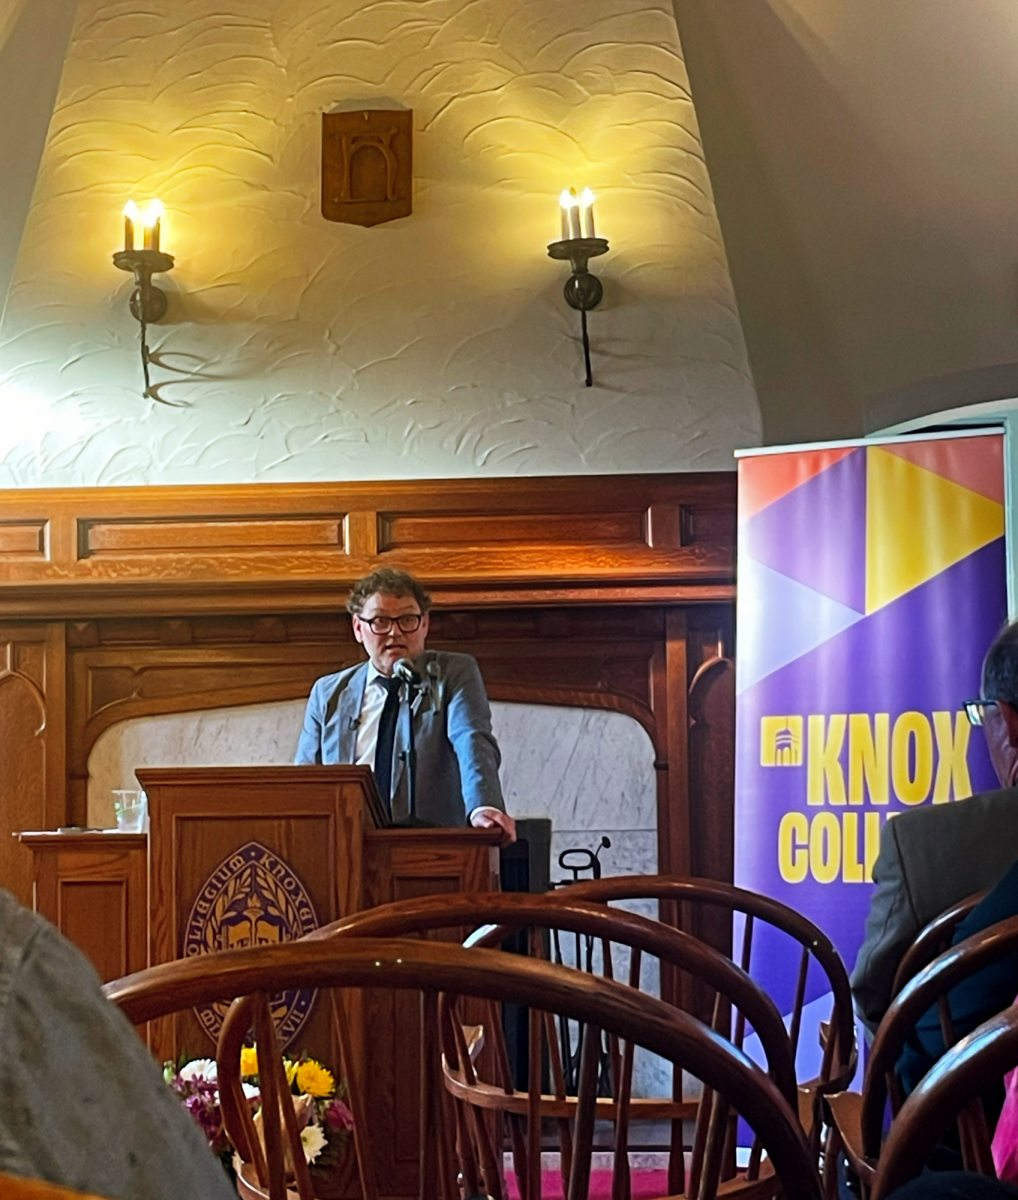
x: 408, y: 623
x: 975, y: 710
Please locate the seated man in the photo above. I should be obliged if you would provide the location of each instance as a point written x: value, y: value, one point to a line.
x: 82, y: 1103
x: 351, y: 717
x: 930, y: 858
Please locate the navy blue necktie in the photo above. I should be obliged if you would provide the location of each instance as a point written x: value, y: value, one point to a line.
x: 385, y: 739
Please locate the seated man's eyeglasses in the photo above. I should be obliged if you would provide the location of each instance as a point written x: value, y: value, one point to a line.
x: 975, y: 710
x: 408, y: 623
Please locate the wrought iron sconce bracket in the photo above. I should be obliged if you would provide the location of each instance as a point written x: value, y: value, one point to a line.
x: 148, y: 303
x: 582, y: 290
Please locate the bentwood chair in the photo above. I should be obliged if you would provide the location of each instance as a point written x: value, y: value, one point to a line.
x: 859, y: 1117
x: 952, y: 1087
x: 438, y: 967
x: 619, y: 935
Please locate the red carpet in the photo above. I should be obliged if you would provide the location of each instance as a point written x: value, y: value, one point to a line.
x: 645, y: 1185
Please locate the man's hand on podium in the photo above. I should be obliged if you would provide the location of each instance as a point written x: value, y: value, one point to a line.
x: 492, y: 818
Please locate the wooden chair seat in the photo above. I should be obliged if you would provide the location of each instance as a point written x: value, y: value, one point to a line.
x: 846, y: 1111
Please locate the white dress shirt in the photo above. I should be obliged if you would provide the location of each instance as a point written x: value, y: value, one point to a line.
x: 371, y: 712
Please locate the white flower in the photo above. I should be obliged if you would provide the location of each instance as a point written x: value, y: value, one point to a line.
x: 313, y: 1140
x: 199, y: 1068
x: 251, y: 1092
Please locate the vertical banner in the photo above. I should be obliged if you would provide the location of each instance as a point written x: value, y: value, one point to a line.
x: 871, y: 579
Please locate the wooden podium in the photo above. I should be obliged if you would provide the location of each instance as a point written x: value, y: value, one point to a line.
x: 241, y: 856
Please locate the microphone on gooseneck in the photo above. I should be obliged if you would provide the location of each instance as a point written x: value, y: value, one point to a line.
x: 405, y: 670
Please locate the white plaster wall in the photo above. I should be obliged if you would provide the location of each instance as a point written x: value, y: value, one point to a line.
x: 438, y: 345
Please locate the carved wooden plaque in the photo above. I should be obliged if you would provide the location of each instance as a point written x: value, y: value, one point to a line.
x: 367, y: 165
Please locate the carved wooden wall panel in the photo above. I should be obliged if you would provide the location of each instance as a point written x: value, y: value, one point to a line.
x: 607, y: 592
x: 32, y: 732
x: 118, y: 539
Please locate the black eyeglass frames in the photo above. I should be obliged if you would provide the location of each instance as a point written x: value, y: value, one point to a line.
x: 975, y: 710
x: 407, y: 623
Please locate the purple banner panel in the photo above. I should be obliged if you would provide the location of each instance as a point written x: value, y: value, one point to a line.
x: 871, y: 581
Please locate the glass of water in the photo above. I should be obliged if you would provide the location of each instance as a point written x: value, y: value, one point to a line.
x: 131, y: 808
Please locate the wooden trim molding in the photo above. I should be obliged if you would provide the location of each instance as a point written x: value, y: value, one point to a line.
x: 641, y: 538
x: 606, y: 591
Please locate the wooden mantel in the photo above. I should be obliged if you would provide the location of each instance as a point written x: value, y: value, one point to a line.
x: 607, y: 591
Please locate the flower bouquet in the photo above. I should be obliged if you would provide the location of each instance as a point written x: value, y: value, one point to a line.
x: 322, y: 1116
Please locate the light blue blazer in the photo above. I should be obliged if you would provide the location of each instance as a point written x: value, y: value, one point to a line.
x: 457, y: 755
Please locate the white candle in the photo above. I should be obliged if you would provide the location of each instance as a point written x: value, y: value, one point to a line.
x: 574, y: 214
x: 563, y: 208
x: 587, y: 208
x: 131, y: 214
x: 153, y: 220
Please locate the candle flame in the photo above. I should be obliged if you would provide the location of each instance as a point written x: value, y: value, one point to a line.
x: 132, y: 210
x: 153, y: 213
x: 568, y: 198
x: 586, y: 198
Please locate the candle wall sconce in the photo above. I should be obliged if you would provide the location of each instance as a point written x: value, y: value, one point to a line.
x: 579, y: 244
x: 148, y: 303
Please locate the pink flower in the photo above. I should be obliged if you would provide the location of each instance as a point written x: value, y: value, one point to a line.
x: 338, y: 1116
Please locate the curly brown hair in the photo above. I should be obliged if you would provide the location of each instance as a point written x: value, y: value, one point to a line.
x: 392, y: 582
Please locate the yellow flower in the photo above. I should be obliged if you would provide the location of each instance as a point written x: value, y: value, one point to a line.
x: 314, y: 1079
x: 290, y: 1067
x: 248, y: 1061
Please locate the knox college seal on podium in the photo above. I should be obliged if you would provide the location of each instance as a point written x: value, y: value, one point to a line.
x: 253, y: 898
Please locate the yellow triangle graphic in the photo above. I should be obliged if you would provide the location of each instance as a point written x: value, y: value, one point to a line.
x: 917, y: 525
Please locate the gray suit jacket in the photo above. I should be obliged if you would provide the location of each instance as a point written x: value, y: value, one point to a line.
x: 457, y: 755
x: 930, y: 858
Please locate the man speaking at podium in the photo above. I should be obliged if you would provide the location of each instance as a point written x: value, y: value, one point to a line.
x: 359, y: 715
